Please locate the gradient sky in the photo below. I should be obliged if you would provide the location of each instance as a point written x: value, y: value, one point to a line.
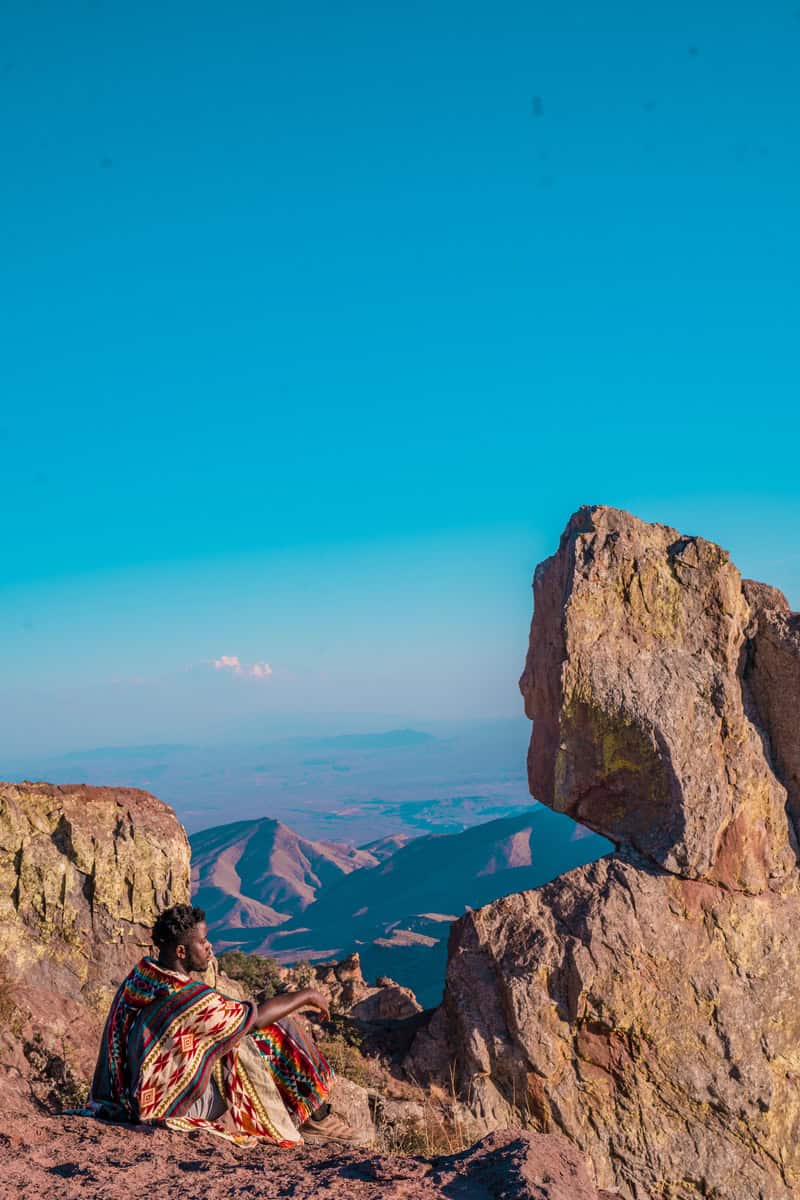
x: 318, y: 321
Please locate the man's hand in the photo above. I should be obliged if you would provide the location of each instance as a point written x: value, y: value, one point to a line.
x: 316, y: 1000
x: 289, y: 1002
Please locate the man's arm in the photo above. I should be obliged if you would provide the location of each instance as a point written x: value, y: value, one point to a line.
x: 280, y: 1006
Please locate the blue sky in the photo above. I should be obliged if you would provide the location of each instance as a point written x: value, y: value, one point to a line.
x: 319, y: 321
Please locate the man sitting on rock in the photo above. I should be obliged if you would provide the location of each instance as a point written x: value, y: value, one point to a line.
x: 177, y: 1052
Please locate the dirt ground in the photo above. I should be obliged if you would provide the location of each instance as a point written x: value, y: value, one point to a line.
x: 68, y: 1158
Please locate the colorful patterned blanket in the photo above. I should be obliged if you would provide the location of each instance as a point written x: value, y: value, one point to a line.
x: 166, y: 1037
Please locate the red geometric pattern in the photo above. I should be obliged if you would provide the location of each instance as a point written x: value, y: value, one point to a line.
x: 173, y: 1064
x: 164, y: 1038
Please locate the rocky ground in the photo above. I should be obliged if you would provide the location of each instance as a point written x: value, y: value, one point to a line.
x: 74, y: 1158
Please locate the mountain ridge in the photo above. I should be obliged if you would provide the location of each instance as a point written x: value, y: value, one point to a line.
x: 394, y: 906
x: 263, y: 867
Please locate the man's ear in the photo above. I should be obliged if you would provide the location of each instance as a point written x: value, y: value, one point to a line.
x: 180, y: 950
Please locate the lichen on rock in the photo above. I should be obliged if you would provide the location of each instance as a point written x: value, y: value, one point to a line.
x: 84, y: 871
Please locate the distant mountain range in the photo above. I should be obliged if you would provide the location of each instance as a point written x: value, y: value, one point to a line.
x: 392, y: 739
x: 267, y: 890
x: 260, y: 873
x: 441, y: 814
x: 336, y: 786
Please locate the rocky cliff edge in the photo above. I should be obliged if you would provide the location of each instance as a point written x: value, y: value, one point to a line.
x: 83, y: 873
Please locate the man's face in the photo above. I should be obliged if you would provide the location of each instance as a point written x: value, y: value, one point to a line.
x: 195, y: 951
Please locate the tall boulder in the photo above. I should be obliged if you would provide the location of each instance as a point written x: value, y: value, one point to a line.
x: 646, y: 1005
x: 83, y: 873
x: 643, y: 727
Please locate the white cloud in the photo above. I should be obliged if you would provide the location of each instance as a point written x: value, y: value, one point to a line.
x: 229, y: 662
x: 260, y: 670
x: 232, y: 663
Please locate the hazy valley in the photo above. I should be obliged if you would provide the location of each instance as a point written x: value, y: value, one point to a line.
x: 351, y: 787
x: 372, y: 841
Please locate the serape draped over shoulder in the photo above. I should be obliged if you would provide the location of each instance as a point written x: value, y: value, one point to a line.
x: 166, y: 1038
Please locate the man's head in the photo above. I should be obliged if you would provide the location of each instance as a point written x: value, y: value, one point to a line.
x: 182, y: 937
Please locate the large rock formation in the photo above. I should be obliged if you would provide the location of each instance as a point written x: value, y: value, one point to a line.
x: 646, y: 1005
x: 83, y: 873
x: 643, y: 727
x: 773, y: 675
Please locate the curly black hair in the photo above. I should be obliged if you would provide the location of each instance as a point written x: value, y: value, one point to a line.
x: 174, y: 923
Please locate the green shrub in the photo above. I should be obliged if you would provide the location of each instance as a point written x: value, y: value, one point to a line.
x: 259, y: 975
x: 303, y: 976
